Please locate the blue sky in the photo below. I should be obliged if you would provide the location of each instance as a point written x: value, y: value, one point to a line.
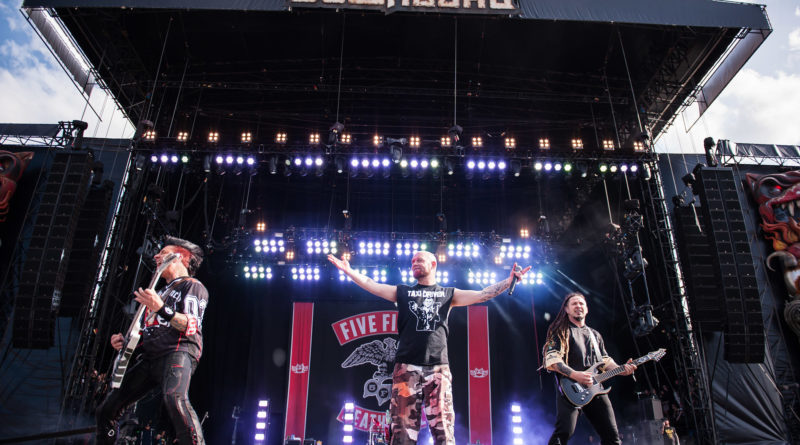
x: 761, y: 104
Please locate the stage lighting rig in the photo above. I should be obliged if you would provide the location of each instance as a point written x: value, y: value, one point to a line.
x: 334, y: 132
x: 643, y: 320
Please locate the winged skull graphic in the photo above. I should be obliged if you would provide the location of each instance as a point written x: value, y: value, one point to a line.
x: 381, y: 354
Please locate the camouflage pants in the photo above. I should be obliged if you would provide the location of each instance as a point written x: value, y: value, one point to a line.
x: 413, y: 386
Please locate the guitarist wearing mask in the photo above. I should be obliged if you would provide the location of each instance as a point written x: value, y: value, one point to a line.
x: 170, y: 347
x: 570, y: 349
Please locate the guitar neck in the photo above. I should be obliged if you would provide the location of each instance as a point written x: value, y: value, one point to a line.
x: 135, y: 323
x: 602, y: 377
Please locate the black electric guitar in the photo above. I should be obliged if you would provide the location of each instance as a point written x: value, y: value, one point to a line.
x: 580, y: 395
x: 134, y: 333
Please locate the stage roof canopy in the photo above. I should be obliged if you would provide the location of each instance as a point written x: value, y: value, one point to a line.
x: 555, y: 69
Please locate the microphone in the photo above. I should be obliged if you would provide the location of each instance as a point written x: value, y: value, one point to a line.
x: 513, y: 281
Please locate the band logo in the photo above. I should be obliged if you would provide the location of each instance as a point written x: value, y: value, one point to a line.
x: 455, y: 6
x: 365, y: 325
x: 299, y: 368
x: 366, y: 419
x: 478, y: 373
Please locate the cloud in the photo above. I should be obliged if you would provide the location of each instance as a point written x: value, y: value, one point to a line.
x: 755, y: 107
x: 794, y: 40
x: 797, y: 11
x: 35, y: 89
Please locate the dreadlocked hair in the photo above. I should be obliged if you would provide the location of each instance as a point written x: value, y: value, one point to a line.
x: 559, y: 328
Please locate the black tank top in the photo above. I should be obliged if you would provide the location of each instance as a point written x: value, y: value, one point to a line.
x: 422, y: 324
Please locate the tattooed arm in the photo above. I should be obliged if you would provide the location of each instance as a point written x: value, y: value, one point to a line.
x: 468, y: 297
x: 385, y: 291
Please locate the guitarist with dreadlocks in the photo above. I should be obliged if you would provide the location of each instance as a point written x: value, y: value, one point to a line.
x: 571, y: 349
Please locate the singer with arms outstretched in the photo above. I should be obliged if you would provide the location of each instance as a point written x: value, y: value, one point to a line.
x: 421, y: 373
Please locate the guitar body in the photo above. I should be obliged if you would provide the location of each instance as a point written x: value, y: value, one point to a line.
x: 578, y: 394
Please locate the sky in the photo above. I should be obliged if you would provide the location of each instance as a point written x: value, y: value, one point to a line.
x: 760, y: 105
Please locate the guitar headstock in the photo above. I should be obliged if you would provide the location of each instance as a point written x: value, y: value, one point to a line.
x: 657, y: 355
x: 167, y: 261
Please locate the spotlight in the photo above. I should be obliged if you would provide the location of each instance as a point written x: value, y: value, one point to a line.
x: 491, y: 165
x: 501, y: 165
x: 185, y: 159
x: 220, y: 159
x: 608, y: 145
x: 511, y: 143
x: 280, y: 138
x: 313, y: 138
x: 154, y: 158
x: 548, y: 166
x: 183, y: 136
x: 149, y: 135
x: 346, y: 138
x: 446, y: 141
x: 481, y: 165
x: 377, y: 140
x: 477, y: 142
x: 544, y: 144
x: 414, y: 163
x: 471, y: 164
x: 413, y: 141
x: 557, y: 166
x: 613, y: 168
x: 523, y: 233
x: 213, y: 137
x: 638, y: 146
x: 577, y: 144
x: 247, y: 137
x: 567, y: 167
x: 164, y: 159
x: 538, y: 166
x: 603, y: 168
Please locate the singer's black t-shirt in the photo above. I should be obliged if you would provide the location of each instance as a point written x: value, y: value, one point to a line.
x: 189, y: 297
x: 422, y: 324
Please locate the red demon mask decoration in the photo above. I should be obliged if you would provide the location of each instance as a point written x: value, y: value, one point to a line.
x: 12, y: 165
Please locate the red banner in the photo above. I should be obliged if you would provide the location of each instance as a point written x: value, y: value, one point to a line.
x: 365, y: 325
x: 480, y: 387
x: 299, y: 370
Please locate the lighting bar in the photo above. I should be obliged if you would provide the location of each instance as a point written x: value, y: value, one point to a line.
x: 280, y: 138
x: 477, y: 141
x: 511, y: 143
x: 344, y: 277
x: 408, y: 248
x: 247, y: 137
x: 638, y: 146
x: 305, y: 273
x: 262, y: 414
x: 258, y: 272
x: 349, y: 418
x: 608, y: 145
x: 168, y: 158
x: 407, y: 276
x: 523, y: 233
x: 213, y: 136
x: 463, y: 250
x: 414, y: 141
x: 313, y: 138
x: 183, y: 136
x: 377, y: 140
x: 346, y: 138
x: 269, y: 245
x: 261, y: 226
x: 577, y: 144
x: 149, y: 135
x: 376, y: 248
x: 442, y: 276
x: 515, y: 252
x: 321, y: 247
x: 446, y: 141
x: 481, y: 277
x: 544, y: 144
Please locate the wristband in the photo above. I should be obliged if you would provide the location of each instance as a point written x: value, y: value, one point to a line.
x: 166, y: 313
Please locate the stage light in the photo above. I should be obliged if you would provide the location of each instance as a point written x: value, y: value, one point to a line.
x: 376, y: 140
x: 280, y: 137
x: 385, y: 162
x: 603, y: 168
x: 623, y: 168
x: 262, y: 415
x: 229, y: 160
x: 638, y: 146
x: 491, y: 165
x: 348, y: 416
x: 379, y: 276
x: 261, y: 425
x: 477, y: 142
x: 247, y: 137
x: 414, y: 163
x: 414, y: 141
x: 149, y: 135
x: 516, y: 168
x: 544, y: 144
x: 406, y: 276
x: 185, y: 159
x: 523, y: 233
x: 183, y: 136
x: 346, y: 138
x: 501, y: 165
x: 423, y: 163
x: 213, y: 137
x: 347, y: 428
x: 511, y: 143
x: 515, y: 252
x: 442, y: 276
x: 517, y: 430
x: 164, y: 158
x: 153, y: 158
x: 548, y: 166
x: 298, y: 162
x: 613, y: 168
x: 538, y: 166
x: 404, y: 164
x: 365, y: 162
x: 577, y: 144
x: 446, y: 141
x: 518, y: 441
x: 516, y: 419
x: 290, y: 255
x: 261, y: 226
x: 471, y: 164
x: 481, y: 165
x: 240, y: 160
x: 634, y: 168
x: 481, y: 277
x: 608, y: 145
x: 259, y: 437
x: 567, y: 167
x: 376, y: 163
x: 313, y: 138
x: 515, y: 408
x: 347, y: 439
